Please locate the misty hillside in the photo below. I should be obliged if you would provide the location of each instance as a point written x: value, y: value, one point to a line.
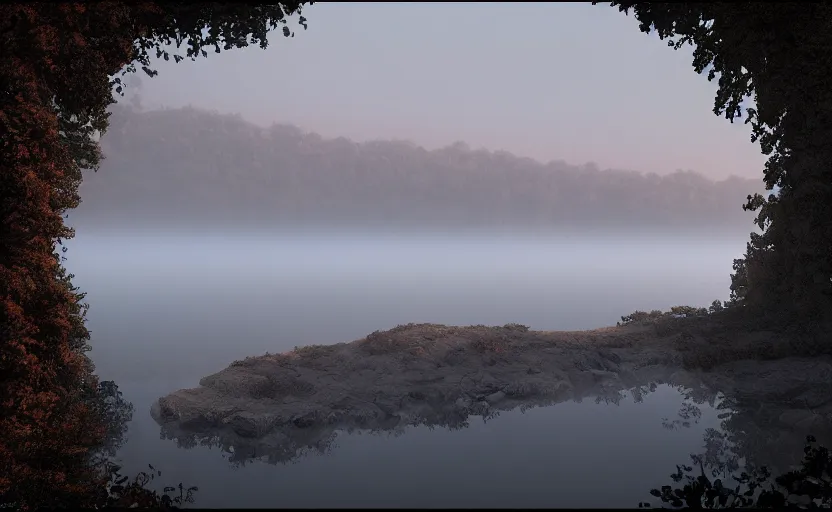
x: 193, y: 167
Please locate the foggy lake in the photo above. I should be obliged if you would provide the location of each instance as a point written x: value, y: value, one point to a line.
x: 170, y: 309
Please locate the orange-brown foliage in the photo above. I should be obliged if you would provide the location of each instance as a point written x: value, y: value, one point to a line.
x: 47, y: 429
x: 56, y: 64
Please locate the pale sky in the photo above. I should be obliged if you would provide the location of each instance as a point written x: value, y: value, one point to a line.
x: 568, y: 81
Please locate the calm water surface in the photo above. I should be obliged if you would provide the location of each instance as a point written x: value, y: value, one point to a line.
x: 168, y: 310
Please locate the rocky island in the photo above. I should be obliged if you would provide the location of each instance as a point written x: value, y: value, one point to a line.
x: 277, y: 407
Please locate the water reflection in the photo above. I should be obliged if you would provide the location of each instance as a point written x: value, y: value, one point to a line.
x: 761, y: 413
x: 290, y: 443
x: 775, y: 422
x: 766, y: 410
x: 550, y: 455
x: 293, y: 441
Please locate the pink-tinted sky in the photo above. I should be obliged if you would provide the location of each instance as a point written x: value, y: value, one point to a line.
x: 568, y: 81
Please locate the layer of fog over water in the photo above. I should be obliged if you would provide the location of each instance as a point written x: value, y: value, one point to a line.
x: 168, y: 310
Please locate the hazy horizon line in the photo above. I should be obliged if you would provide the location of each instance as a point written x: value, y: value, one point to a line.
x: 461, y: 144
x: 382, y: 231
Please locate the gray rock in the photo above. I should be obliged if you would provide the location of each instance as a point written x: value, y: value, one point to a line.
x: 282, y: 405
x: 495, y: 398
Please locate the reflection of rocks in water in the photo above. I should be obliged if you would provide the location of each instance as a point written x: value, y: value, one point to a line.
x: 290, y: 443
x: 284, y: 406
x: 279, y: 408
x: 275, y: 448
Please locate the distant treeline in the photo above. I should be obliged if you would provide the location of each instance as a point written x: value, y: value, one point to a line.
x: 194, y: 167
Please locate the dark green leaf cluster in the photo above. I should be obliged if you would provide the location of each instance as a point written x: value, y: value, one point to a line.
x: 779, y: 55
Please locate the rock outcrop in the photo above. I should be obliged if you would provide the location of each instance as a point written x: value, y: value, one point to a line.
x: 278, y: 407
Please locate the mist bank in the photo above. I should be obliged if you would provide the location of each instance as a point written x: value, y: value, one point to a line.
x: 189, y: 168
x: 228, y: 230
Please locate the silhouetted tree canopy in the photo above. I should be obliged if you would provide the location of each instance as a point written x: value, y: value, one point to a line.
x: 779, y: 54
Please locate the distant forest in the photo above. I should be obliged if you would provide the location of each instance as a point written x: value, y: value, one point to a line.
x: 190, y: 167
